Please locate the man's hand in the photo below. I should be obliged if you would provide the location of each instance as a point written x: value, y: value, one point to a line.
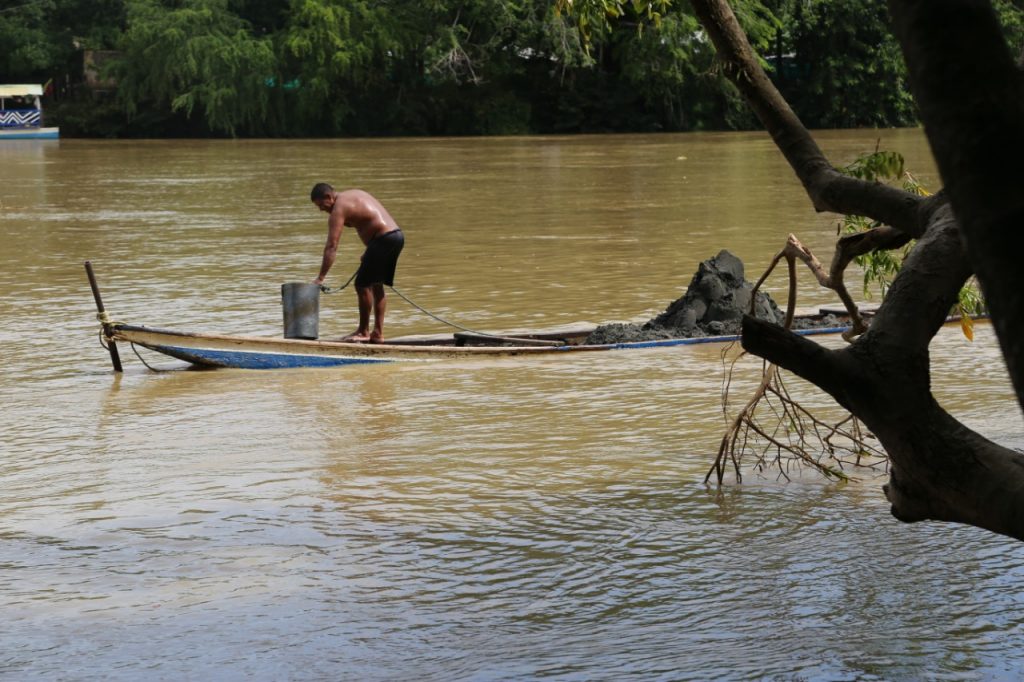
x: 319, y: 281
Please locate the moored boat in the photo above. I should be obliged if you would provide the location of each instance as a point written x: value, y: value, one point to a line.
x: 255, y: 352
x: 301, y: 347
x: 21, y: 114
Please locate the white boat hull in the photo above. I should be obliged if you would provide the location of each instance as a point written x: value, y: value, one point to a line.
x: 29, y: 133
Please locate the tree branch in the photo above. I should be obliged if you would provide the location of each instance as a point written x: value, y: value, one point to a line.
x: 798, y: 354
x: 828, y: 189
x: 922, y: 294
x: 793, y: 251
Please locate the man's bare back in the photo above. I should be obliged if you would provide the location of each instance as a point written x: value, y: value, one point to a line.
x: 359, y: 210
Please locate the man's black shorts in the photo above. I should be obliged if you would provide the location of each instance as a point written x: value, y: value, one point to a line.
x: 380, y: 259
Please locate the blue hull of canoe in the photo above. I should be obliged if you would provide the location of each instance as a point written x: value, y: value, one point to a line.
x: 258, y: 360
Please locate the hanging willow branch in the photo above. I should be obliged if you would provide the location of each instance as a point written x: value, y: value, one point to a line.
x: 791, y: 435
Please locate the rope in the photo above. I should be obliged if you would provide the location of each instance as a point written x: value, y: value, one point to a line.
x: 331, y: 290
x: 142, y: 359
x: 441, y: 319
x: 150, y: 367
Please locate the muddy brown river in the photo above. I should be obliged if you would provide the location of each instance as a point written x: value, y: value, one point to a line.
x: 475, y: 520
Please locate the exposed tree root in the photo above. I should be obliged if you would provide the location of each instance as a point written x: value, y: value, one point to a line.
x: 792, y: 435
x: 774, y: 431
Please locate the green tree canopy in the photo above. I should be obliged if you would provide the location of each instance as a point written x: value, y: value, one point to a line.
x: 362, y: 67
x: 195, y: 56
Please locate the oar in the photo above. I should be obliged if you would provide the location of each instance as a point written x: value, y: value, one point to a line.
x: 114, y: 356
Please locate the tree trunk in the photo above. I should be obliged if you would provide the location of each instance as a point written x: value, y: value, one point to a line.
x: 941, y: 470
x: 971, y: 96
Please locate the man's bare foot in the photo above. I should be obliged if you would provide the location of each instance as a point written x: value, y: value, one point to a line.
x: 356, y: 337
x: 376, y: 338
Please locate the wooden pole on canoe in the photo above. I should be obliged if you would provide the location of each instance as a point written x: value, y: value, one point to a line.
x: 115, y: 357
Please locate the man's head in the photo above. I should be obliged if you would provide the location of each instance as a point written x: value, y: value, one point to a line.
x: 322, y: 195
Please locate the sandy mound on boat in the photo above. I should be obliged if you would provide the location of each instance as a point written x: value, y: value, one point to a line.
x: 714, y: 304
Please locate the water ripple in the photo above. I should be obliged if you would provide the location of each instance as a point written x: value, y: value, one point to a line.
x: 477, y: 520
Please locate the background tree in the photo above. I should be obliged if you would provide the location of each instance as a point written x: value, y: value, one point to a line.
x: 832, y: 48
x: 43, y: 38
x: 364, y: 67
x: 29, y: 48
x: 196, y: 56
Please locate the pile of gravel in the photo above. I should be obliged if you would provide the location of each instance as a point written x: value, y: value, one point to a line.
x: 714, y: 305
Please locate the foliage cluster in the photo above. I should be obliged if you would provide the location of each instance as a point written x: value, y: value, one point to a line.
x: 881, y: 267
x: 444, y: 67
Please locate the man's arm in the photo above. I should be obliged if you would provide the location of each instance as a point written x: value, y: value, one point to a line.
x: 335, y: 224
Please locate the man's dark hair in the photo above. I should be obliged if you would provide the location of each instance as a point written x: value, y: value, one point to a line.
x: 320, y: 191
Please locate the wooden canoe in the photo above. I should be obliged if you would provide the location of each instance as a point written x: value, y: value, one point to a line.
x: 255, y: 352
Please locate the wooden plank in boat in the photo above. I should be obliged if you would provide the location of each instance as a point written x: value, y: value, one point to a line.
x: 462, y: 338
x: 864, y: 308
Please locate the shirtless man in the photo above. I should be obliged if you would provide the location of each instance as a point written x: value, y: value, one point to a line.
x: 384, y: 241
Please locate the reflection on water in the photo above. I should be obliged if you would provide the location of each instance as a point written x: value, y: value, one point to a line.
x: 500, y: 519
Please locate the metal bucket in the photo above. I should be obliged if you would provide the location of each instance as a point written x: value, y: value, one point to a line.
x: 301, y: 304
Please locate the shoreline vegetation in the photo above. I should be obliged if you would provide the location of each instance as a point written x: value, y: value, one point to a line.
x: 323, y: 68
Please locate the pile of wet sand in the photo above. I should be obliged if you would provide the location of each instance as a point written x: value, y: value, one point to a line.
x: 714, y: 305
